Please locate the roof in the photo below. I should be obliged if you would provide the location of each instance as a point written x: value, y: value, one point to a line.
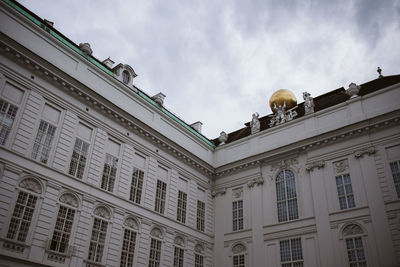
x: 321, y: 102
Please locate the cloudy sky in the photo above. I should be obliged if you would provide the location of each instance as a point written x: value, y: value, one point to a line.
x: 219, y: 61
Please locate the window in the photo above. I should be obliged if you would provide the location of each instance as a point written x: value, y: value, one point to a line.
x: 22, y: 216
x: 128, y: 248
x: 198, y: 260
x: 395, y: 168
x: 200, y: 215
x: 155, y: 253
x: 7, y: 117
x: 291, y: 253
x: 109, y: 173
x: 238, y: 261
x: 160, y: 196
x: 97, y: 240
x: 78, y: 159
x: 345, y: 191
x: 178, y: 257
x: 355, y: 252
x: 43, y: 141
x: 286, y: 196
x: 181, y: 210
x: 125, y: 77
x: 136, y: 185
x: 237, y: 214
x: 62, y: 230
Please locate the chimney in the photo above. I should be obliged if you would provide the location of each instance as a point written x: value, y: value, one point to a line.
x: 197, y: 126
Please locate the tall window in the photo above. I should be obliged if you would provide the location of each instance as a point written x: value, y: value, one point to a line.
x: 160, y: 196
x: 355, y: 252
x: 181, y: 210
x: 78, y: 159
x: 286, y: 196
x: 155, y: 253
x: 128, y: 248
x: 237, y: 215
x: 43, y: 141
x: 136, y: 185
x: 62, y: 230
x: 7, y: 117
x: 109, y: 173
x: 200, y: 215
x: 178, y: 257
x: 238, y: 261
x: 22, y: 216
x: 125, y: 77
x: 395, y: 168
x: 345, y: 191
x: 97, y: 240
x: 291, y: 253
x: 198, y: 260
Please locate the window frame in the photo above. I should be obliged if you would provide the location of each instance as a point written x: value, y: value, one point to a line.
x: 181, y: 206
x: 137, y: 200
x: 52, y: 146
x: 396, y: 188
x: 131, y: 224
x: 2, y: 126
x: 237, y: 221
x: 160, y: 197
x: 106, y: 180
x: 286, y: 199
x: 200, y: 216
x: 345, y: 194
x: 291, y: 262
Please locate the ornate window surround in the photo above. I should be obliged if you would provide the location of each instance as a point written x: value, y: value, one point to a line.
x: 352, y: 230
x: 133, y: 224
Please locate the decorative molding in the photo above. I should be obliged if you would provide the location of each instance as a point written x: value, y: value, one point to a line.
x: 31, y: 185
x: 217, y: 192
x: 341, y: 166
x: 315, y: 164
x: 352, y: 229
x: 156, y: 232
x: 238, y: 168
x: 180, y: 241
x: 102, y: 212
x: 69, y: 199
x: 368, y: 150
x: 237, y: 193
x: 198, y: 248
x: 131, y: 223
x: 284, y: 164
x: 255, y: 181
x: 238, y: 248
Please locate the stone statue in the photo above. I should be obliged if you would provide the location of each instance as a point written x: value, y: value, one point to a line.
x: 223, y: 137
x: 281, y: 115
x: 255, y: 124
x: 308, y: 103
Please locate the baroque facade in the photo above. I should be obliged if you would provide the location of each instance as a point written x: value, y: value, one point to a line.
x: 94, y: 172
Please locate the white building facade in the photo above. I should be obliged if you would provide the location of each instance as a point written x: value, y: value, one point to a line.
x: 94, y: 172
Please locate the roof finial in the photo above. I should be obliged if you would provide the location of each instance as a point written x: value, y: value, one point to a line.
x: 379, y: 70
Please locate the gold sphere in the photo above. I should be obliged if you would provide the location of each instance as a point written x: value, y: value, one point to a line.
x: 281, y: 96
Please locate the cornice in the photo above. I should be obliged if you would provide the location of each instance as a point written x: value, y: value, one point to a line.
x: 124, y: 120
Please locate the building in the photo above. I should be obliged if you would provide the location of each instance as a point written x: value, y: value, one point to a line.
x: 94, y: 172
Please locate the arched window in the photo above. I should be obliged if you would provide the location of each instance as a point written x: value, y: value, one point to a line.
x: 352, y: 235
x: 131, y: 227
x: 24, y: 208
x: 239, y: 251
x: 198, y: 255
x: 102, y: 216
x: 179, y: 251
x: 286, y: 196
x: 125, y: 77
x: 155, y: 247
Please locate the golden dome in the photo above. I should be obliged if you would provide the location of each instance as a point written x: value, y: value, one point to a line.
x: 280, y: 96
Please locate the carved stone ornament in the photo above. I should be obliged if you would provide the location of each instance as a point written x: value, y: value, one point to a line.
x: 282, y: 115
x: 237, y: 193
x: 223, y: 137
x: 255, y: 181
x: 255, y: 124
x: 179, y: 241
x: 360, y: 153
x: 353, y: 90
x: 308, y: 103
x: 159, y: 98
x: 341, y: 166
x: 284, y: 164
x: 221, y: 191
x: 199, y: 248
x: 156, y: 232
x: 85, y: 47
x: 102, y: 212
x: 31, y: 185
x: 131, y: 223
x: 352, y: 229
x: 239, y: 248
x: 316, y: 164
x: 69, y: 199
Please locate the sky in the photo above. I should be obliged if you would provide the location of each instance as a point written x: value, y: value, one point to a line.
x: 219, y: 61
